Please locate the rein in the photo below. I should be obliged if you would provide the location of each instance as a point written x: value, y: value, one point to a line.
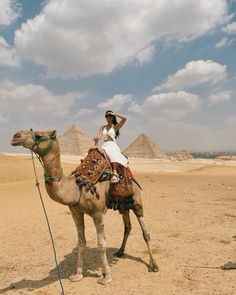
x: 48, y: 224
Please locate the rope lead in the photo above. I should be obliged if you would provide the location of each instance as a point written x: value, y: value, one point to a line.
x: 49, y: 229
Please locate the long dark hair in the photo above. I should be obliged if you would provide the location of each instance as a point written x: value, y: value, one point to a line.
x: 114, y: 122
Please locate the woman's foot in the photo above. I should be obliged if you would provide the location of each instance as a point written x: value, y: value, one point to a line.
x: 115, y: 178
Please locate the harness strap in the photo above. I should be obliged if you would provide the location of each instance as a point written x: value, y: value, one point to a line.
x: 45, y: 152
x: 41, y: 139
x: 48, y: 179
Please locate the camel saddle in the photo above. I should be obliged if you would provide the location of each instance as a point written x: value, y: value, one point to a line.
x: 96, y: 167
x: 92, y: 166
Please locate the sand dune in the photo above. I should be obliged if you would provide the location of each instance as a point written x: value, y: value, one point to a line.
x: 190, y: 211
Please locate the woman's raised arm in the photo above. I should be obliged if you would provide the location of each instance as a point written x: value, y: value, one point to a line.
x: 121, y: 123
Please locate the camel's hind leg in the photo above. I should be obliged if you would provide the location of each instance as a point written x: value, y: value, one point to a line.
x: 127, y: 229
x: 99, y: 223
x: 79, y: 222
x: 146, y: 236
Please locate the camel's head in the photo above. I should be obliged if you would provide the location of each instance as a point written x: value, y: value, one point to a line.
x: 34, y: 140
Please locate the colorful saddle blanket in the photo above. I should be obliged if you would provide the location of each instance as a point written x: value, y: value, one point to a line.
x: 123, y: 188
x: 92, y: 166
x: 95, y: 167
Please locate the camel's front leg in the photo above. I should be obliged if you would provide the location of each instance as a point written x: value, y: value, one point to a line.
x: 79, y: 222
x: 146, y: 236
x: 127, y: 229
x: 98, y: 220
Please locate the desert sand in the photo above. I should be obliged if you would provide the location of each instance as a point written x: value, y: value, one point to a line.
x: 190, y: 212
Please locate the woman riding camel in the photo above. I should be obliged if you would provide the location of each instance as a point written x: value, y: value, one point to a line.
x: 109, y: 133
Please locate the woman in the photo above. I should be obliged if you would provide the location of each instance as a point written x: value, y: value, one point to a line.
x: 109, y: 133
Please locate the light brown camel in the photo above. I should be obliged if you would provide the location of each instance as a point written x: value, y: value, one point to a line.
x: 64, y: 190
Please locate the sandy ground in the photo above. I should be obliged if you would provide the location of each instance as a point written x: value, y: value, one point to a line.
x: 190, y: 212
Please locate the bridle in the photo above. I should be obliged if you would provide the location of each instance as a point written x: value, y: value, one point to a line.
x: 37, y: 140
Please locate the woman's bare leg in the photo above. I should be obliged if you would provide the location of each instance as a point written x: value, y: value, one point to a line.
x: 114, y: 165
x: 115, y: 176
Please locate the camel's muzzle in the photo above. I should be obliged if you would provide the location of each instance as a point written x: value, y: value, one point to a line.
x: 14, y: 143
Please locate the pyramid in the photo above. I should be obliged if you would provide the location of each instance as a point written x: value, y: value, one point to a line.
x: 144, y: 147
x: 183, y: 155
x: 75, y: 141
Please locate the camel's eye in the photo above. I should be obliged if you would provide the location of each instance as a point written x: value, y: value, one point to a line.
x: 39, y: 138
x: 17, y: 135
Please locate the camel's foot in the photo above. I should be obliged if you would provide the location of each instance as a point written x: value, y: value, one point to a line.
x: 76, y: 277
x: 153, y: 266
x: 119, y: 253
x: 104, y: 279
x: 228, y: 266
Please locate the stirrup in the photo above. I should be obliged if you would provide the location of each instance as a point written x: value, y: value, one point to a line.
x: 115, y: 178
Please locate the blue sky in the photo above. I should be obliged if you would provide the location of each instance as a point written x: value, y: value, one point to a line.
x: 170, y: 67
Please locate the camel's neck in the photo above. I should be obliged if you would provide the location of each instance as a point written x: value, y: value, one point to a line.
x: 62, y: 189
x: 52, y: 164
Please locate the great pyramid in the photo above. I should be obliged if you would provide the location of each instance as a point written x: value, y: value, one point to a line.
x: 144, y: 147
x: 75, y: 141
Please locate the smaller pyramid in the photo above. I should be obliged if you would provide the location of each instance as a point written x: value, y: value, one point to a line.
x: 226, y: 157
x: 144, y: 147
x: 75, y: 141
x: 182, y: 155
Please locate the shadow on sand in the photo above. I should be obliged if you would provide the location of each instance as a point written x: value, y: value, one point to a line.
x: 229, y: 265
x: 92, y: 265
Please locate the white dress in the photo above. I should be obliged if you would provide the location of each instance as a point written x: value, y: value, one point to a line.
x: 111, y: 148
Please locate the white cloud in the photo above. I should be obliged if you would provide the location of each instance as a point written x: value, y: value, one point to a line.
x: 8, y: 55
x: 231, y: 121
x: 85, y: 112
x: 78, y: 37
x: 195, y: 73
x: 24, y: 104
x: 171, y: 104
x: 145, y: 55
x: 135, y: 107
x: 9, y: 12
x: 219, y: 97
x: 116, y: 102
x: 230, y: 28
x: 222, y: 43
x: 180, y: 98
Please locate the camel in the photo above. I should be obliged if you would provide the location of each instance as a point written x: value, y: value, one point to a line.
x: 64, y: 190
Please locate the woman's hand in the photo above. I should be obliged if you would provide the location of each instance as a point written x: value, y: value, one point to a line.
x: 117, y: 115
x: 95, y: 140
x: 111, y: 113
x: 121, y: 123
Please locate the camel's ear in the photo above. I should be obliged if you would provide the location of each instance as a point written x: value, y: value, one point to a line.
x: 53, y: 133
